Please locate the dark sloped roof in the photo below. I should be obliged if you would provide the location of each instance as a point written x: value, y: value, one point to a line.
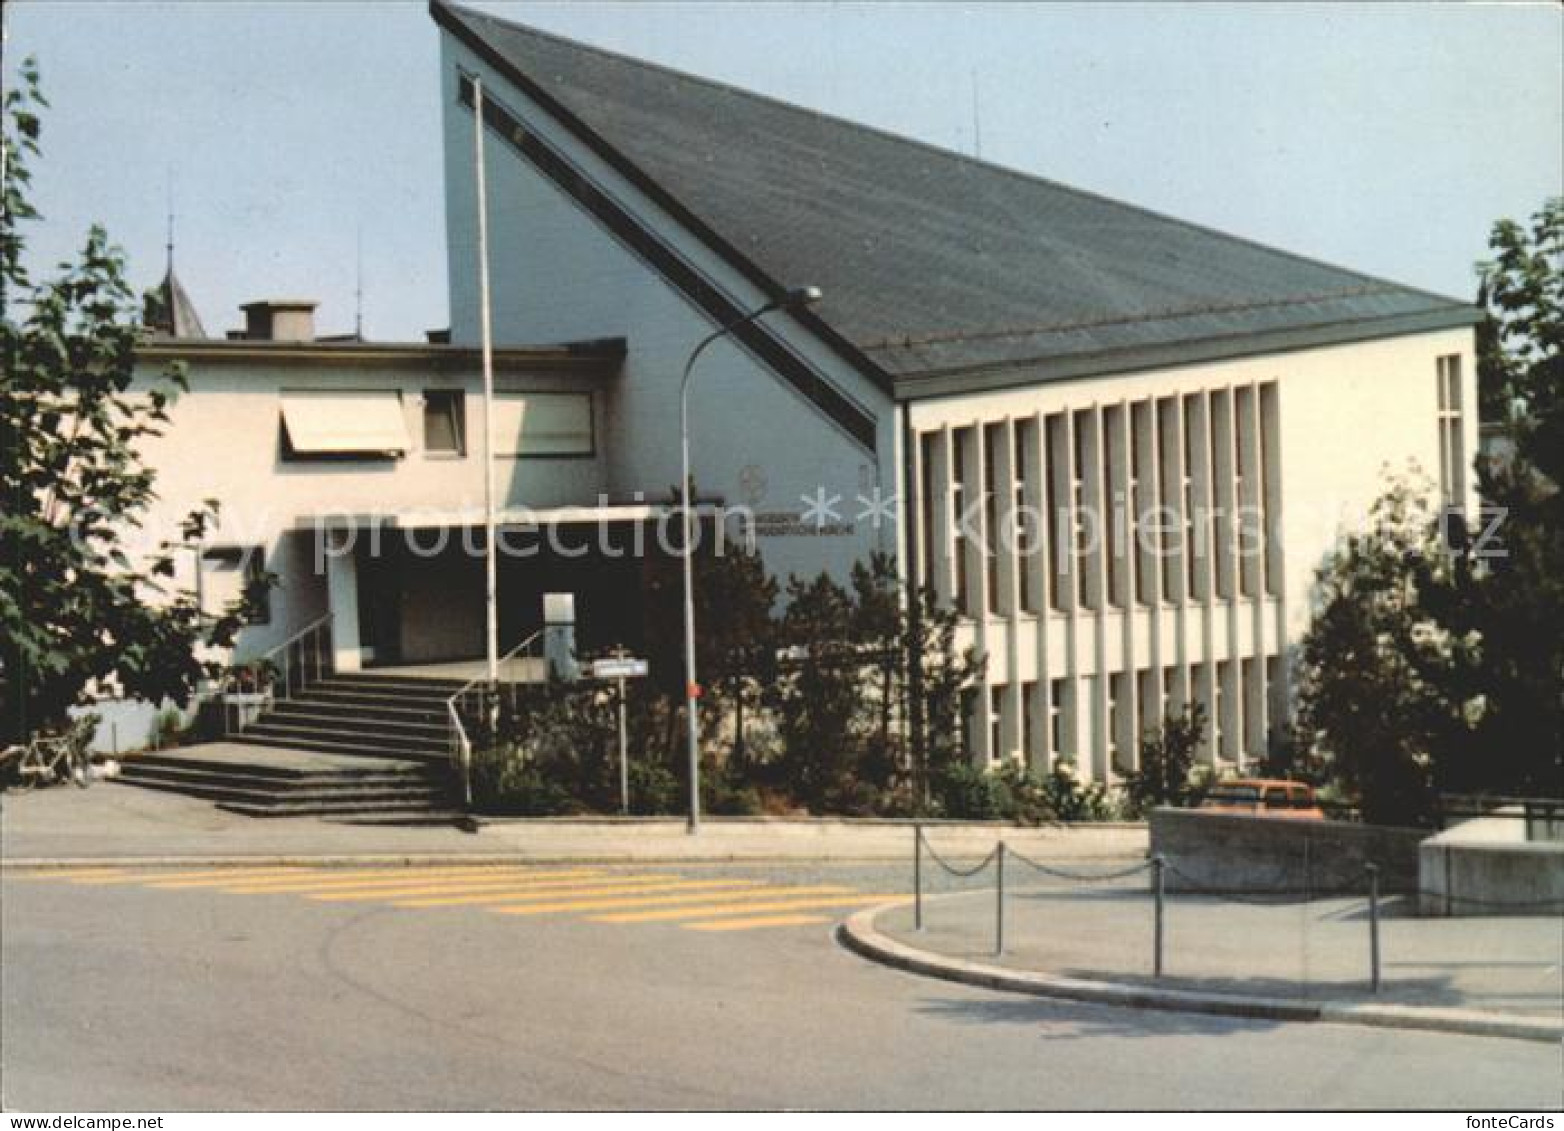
x: 932, y: 262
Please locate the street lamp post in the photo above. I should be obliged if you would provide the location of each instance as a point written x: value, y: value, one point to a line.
x: 795, y: 298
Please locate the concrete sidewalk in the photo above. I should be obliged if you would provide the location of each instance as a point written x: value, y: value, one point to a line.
x: 1294, y: 953
x: 121, y: 822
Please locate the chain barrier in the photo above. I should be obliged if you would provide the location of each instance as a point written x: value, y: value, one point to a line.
x: 1095, y: 878
x: 959, y: 873
x: 1161, y: 869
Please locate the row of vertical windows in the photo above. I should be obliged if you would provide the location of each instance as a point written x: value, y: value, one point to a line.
x: 1239, y: 708
x: 1164, y: 499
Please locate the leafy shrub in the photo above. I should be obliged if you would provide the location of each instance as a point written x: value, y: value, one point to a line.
x: 965, y: 792
x: 1069, y: 799
x: 1167, y: 761
x: 504, y: 782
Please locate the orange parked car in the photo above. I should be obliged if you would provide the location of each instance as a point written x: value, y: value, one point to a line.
x: 1264, y: 797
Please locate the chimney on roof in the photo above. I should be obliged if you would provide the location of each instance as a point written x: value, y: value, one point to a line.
x: 280, y: 320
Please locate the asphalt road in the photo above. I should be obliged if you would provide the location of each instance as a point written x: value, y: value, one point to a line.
x: 119, y: 996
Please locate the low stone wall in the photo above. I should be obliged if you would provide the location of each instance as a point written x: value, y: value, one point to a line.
x: 1489, y: 867
x: 1234, y: 852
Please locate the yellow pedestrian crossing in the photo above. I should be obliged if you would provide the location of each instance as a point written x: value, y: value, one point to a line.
x: 328, y: 884
x: 598, y: 894
x: 725, y: 892
x: 617, y: 889
x: 610, y: 888
x: 781, y: 903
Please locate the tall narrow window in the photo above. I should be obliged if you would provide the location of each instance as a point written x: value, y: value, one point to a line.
x: 993, y: 436
x: 929, y: 493
x: 1028, y: 720
x: 1115, y: 505
x: 958, y: 496
x: 1056, y: 717
x: 1452, y: 455
x: 1026, y: 525
x: 1081, y: 546
x: 996, y: 722
x: 445, y: 422
x: 1061, y: 538
x: 1191, y: 546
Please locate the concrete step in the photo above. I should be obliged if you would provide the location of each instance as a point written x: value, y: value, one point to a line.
x: 432, y: 706
x: 263, y: 771
x: 363, y: 799
x: 402, y: 790
x: 353, y: 749
x: 418, y: 809
x: 391, y: 743
x: 306, y: 711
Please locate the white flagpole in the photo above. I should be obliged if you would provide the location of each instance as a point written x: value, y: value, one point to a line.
x: 491, y: 598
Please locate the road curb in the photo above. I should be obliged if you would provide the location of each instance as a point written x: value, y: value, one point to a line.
x: 860, y: 935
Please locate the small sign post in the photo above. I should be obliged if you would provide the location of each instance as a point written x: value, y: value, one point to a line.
x: 619, y: 668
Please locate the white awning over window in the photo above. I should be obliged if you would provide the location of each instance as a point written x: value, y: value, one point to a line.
x: 345, y: 422
x: 543, y: 424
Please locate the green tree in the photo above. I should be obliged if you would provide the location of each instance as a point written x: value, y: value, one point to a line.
x: 1386, y: 691
x: 74, y: 609
x: 817, y: 695
x: 1517, y: 604
x: 735, y: 638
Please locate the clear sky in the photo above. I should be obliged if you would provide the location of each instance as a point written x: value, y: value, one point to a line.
x: 1382, y: 137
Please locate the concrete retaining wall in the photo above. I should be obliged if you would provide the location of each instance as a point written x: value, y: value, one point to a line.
x: 1487, y: 867
x: 1231, y: 852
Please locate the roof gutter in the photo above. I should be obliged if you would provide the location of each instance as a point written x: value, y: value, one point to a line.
x: 1105, y: 363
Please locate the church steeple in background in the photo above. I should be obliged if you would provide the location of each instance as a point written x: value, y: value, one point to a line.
x: 169, y: 312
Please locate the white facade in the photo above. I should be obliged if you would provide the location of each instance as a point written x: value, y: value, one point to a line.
x: 558, y: 275
x: 309, y: 518
x: 1090, y: 632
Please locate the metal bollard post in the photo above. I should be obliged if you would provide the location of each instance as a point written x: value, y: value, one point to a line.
x: 999, y: 903
x: 917, y: 877
x: 1373, y: 877
x: 1157, y: 865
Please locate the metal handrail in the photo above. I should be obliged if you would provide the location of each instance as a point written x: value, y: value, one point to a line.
x: 323, y: 661
x: 461, y: 743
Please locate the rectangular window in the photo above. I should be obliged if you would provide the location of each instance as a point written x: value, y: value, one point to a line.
x: 1056, y: 717
x: 1115, y: 506
x: 550, y: 425
x: 1222, y: 491
x: 958, y: 498
x: 1056, y: 474
x: 445, y: 422
x: 227, y: 574
x: 996, y: 602
x: 354, y: 423
x: 1028, y: 721
x: 1191, y: 549
x: 996, y: 723
x: 932, y: 559
x: 1169, y: 518
x: 1452, y: 455
x: 1118, y: 716
x: 1081, y: 544
x: 1026, y: 525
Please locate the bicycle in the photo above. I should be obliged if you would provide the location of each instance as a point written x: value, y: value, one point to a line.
x: 47, y: 759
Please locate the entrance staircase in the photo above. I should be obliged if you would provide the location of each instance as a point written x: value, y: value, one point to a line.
x: 358, y: 746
